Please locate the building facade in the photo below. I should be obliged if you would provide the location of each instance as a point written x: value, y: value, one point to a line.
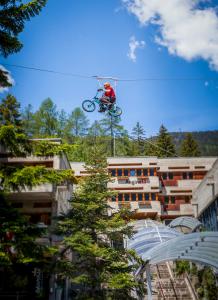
x: 205, y: 200
x: 43, y: 202
x: 154, y: 187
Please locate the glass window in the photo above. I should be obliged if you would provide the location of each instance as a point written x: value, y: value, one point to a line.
x: 153, y: 196
x: 173, y: 200
x: 170, y: 175
x: 184, y: 175
x: 133, y: 197
x: 123, y: 181
x: 164, y: 175
x: 113, y: 198
x: 132, y: 172
x: 120, y: 197
x: 126, y: 173
x: 140, y: 197
x: 145, y: 172
x: 190, y: 175
x: 151, y: 172
x: 187, y: 200
x: 113, y: 172
x: 126, y: 197
x: 139, y: 172
x: 147, y: 197
x: 119, y: 172
x: 166, y: 199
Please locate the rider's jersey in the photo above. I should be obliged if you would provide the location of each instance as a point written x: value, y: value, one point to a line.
x: 109, y: 92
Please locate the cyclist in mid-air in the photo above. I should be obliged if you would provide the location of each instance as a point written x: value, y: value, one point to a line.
x: 107, y: 97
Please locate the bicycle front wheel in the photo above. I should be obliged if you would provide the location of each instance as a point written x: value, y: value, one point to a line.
x: 115, y: 112
x: 88, y: 105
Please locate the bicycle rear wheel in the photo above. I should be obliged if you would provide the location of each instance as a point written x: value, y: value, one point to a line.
x: 88, y: 105
x: 115, y: 112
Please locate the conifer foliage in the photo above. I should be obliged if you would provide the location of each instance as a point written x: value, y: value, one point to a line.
x: 13, y: 143
x: 189, y: 147
x: 164, y: 143
x: 99, y: 264
x: 13, y: 14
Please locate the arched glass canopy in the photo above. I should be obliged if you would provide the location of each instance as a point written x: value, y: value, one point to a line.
x: 150, y: 234
x: 199, y: 247
x: 188, y: 222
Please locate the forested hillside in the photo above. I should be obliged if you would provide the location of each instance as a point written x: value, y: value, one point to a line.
x: 207, y: 141
x: 75, y: 128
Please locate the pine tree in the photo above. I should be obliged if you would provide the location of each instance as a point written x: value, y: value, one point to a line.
x: 13, y: 14
x: 78, y: 122
x: 28, y: 120
x: 189, y: 146
x: 164, y: 144
x: 18, y: 247
x: 138, y: 136
x: 9, y: 111
x: 113, y: 129
x: 99, y: 264
x: 46, y: 119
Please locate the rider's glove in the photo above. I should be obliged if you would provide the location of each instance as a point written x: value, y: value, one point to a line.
x: 99, y: 90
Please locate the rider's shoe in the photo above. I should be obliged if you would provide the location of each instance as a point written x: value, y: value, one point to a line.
x: 101, y: 110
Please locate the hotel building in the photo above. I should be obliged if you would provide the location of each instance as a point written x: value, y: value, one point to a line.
x: 151, y: 187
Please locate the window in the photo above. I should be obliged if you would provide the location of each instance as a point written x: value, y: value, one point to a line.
x: 184, y: 175
x: 17, y: 204
x: 139, y: 172
x: 147, y: 197
x: 140, y: 197
x: 145, y: 172
x: 123, y: 181
x: 133, y: 197
x: 132, y: 172
x: 41, y: 204
x: 126, y: 197
x: 170, y: 175
x: 187, y: 199
x: 126, y: 173
x: 113, y: 198
x: 190, y: 175
x: 119, y: 172
x: 166, y: 200
x: 113, y: 172
x: 173, y: 200
x: 164, y: 175
x: 153, y: 196
x: 120, y: 197
x: 151, y: 172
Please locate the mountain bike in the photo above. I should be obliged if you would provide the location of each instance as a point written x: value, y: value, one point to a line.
x: 90, y: 106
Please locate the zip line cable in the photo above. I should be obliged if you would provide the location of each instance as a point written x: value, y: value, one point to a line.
x: 116, y: 80
x: 47, y: 71
x: 112, y: 78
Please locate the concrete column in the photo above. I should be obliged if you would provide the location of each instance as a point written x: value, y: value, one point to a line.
x: 148, y: 276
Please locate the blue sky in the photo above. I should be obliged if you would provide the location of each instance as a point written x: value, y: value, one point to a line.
x: 92, y: 38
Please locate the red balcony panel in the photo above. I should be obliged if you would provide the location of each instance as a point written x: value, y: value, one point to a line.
x: 170, y: 182
x: 172, y: 207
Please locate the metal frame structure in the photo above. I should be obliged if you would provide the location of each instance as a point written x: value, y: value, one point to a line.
x: 187, y: 222
x: 150, y: 235
x: 156, y: 243
x: 199, y: 247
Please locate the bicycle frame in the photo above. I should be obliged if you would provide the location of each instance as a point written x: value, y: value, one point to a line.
x: 96, y: 99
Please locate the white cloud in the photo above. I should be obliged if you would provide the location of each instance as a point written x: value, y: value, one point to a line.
x: 185, y: 29
x: 133, y: 45
x: 9, y: 77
